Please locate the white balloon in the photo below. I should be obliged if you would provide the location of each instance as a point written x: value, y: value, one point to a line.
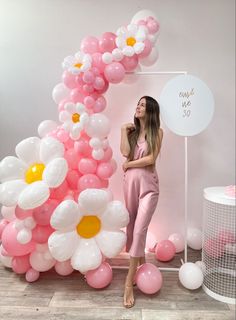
x: 107, y: 57
x: 93, y: 201
x: 6, y: 260
x: 111, y: 242
x: 98, y: 154
x: 95, y: 143
x: 55, y: 172
x: 194, y: 238
x: 29, y: 223
x: 28, y: 150
x: 50, y: 149
x: 39, y: 263
x: 11, y: 168
x: 178, y: 240
x: 46, y: 127
x: 98, y: 126
x: 10, y: 191
x: 117, y: 54
x: 65, y: 222
x: 190, y: 276
x: 116, y: 216
x: 142, y: 15
x: 33, y: 195
x: 60, y: 92
x: 8, y: 213
x: 201, y: 265
x: 151, y: 58
x: 24, y: 236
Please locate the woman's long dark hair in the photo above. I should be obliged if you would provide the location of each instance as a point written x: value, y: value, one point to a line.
x: 152, y: 125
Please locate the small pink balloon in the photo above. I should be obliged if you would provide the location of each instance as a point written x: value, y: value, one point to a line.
x: 153, y: 26
x: 114, y: 72
x: 89, y: 102
x: 22, y: 214
x: 89, y: 181
x: 97, y: 61
x: 62, y: 135
x: 42, y: 214
x: 226, y: 236
x: 87, y: 165
x: 69, y: 80
x: 82, y: 147
x: 63, y: 268
x: 100, y: 277
x: 99, y: 83
x: 60, y: 192
x: 3, y: 224
x: 147, y: 49
x: 69, y: 144
x: 32, y: 275
x: 88, y: 77
x: 214, y: 248
x: 72, y: 178
x: 76, y: 95
x: 108, y: 153
x: 72, y: 158
x: 21, y: 264
x: 148, y: 278
x: 40, y: 234
x: 130, y: 63
x: 165, y: 250
x: 104, y: 170
x: 89, y: 44
x: 107, y: 42
x: 104, y: 89
x: 10, y: 243
x: 88, y: 88
x: 100, y: 104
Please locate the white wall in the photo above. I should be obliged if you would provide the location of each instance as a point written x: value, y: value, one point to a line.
x: 196, y: 36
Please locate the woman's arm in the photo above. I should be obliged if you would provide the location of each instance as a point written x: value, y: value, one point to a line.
x: 124, y: 142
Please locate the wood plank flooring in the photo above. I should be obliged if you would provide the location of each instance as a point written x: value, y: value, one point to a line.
x: 54, y: 297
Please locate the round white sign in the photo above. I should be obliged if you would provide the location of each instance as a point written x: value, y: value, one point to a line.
x: 186, y: 105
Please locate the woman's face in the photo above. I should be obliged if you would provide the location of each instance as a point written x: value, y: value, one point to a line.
x: 141, y: 109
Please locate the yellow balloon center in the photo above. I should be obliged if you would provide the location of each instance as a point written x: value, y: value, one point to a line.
x: 34, y: 172
x: 75, y: 117
x: 89, y: 226
x: 130, y: 41
x: 78, y: 65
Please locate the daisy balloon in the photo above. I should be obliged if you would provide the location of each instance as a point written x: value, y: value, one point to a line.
x: 78, y: 63
x: 27, y: 178
x: 88, y: 229
x: 74, y: 119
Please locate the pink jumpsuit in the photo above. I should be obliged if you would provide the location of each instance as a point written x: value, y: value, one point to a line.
x: 141, y: 192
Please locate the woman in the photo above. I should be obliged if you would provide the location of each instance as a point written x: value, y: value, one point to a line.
x: 140, y: 144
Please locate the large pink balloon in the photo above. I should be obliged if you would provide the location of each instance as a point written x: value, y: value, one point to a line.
x: 72, y: 178
x: 107, y: 42
x: 165, y: 250
x: 21, y: 264
x: 104, y: 170
x: 114, y: 72
x: 42, y: 214
x: 89, y: 44
x: 130, y: 63
x: 72, y: 158
x: 82, y: 147
x: 10, y: 243
x: 89, y: 181
x: 32, y: 275
x: 63, y: 268
x: 100, y: 277
x: 148, y: 278
x: 40, y: 234
x: 60, y: 192
x: 87, y: 165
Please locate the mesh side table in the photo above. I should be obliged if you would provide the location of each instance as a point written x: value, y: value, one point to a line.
x: 219, y: 245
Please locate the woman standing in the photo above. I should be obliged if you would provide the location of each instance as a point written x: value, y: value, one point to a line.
x: 140, y: 144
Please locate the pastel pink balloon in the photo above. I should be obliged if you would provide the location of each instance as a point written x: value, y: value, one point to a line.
x: 153, y: 26
x: 104, y: 170
x: 100, y: 277
x: 105, y: 88
x: 69, y: 144
x: 62, y: 104
x: 105, y: 183
x: 107, y: 155
x: 82, y: 147
x: 62, y: 135
x: 148, y: 278
x: 226, y: 236
x: 99, y: 83
x: 97, y: 61
x: 69, y: 80
x: 76, y: 95
x: 21, y: 264
x: 60, y: 192
x: 3, y: 224
x: 22, y: 214
x: 72, y: 178
x: 40, y: 234
x: 214, y: 248
x: 32, y: 275
x: 89, y: 102
x: 10, y: 243
x: 147, y: 49
x: 87, y: 165
x: 107, y: 42
x: 89, y: 181
x: 88, y: 77
x: 72, y: 158
x: 89, y: 44
x: 165, y: 250
x: 4, y: 252
x: 100, y: 104
x: 114, y: 72
x: 88, y: 88
x: 63, y: 268
x: 42, y: 214
x: 130, y: 63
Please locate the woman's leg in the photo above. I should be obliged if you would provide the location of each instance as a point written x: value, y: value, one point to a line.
x: 129, y: 294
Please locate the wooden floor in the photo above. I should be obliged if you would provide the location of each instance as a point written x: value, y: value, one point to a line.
x: 55, y: 297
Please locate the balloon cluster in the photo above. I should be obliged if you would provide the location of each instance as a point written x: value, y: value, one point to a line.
x: 57, y: 211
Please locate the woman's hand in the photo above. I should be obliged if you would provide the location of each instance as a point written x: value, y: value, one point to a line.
x: 125, y: 165
x: 128, y: 127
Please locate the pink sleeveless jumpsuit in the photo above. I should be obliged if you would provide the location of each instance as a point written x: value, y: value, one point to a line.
x: 141, y: 192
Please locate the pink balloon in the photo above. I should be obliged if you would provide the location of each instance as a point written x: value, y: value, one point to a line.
x: 89, y: 102
x: 82, y: 147
x: 22, y: 214
x: 148, y: 278
x: 40, y: 234
x: 130, y: 63
x: 89, y: 44
x: 88, y: 88
x: 63, y: 268
x: 147, y: 49
x: 76, y: 95
x: 214, y: 248
x: 107, y: 42
x: 72, y: 158
x: 114, y: 72
x: 60, y: 192
x: 99, y: 83
x: 104, y: 89
x: 72, y: 178
x: 107, y: 155
x: 32, y: 275
x: 87, y: 165
x: 226, y: 236
x: 97, y: 61
x: 89, y: 181
x: 88, y: 77
x: 62, y: 104
x: 62, y: 135
x: 104, y: 170
x: 69, y: 80
x: 153, y: 26
x: 21, y: 264
x: 3, y: 224
x: 100, y: 277
x: 10, y: 243
x: 100, y: 104
x: 42, y: 214
x: 105, y: 183
x: 69, y: 144
x: 165, y: 250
